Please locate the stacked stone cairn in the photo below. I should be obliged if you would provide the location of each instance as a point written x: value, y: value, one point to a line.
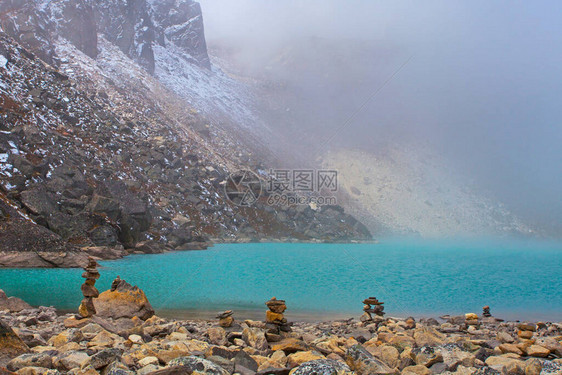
x: 275, y: 322
x: 89, y: 290
x: 378, y: 309
x: 486, y: 311
x: 225, y: 318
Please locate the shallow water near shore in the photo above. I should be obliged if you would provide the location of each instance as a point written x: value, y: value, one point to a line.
x: 518, y: 279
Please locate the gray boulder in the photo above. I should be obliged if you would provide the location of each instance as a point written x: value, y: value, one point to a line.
x: 323, y: 367
x: 363, y: 362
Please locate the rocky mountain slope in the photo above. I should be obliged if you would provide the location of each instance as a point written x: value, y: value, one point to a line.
x: 98, y: 153
x: 412, y: 191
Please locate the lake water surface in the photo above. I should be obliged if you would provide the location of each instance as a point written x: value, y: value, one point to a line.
x: 518, y: 279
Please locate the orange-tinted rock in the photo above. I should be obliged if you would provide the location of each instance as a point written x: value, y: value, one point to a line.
x: 123, y: 301
x: 271, y: 316
x: 11, y: 344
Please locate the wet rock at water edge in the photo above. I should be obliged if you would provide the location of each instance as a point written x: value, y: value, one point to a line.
x: 225, y: 318
x: 123, y: 301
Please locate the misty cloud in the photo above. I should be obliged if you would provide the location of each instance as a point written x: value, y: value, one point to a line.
x: 483, y: 85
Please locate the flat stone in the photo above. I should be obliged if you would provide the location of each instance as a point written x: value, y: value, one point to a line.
x: 537, y: 351
x: 290, y: 345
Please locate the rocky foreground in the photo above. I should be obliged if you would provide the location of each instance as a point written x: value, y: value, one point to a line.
x: 124, y: 337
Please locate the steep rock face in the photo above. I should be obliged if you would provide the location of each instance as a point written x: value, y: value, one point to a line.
x: 134, y: 26
x: 37, y: 24
x: 75, y: 20
x: 181, y: 22
x: 30, y: 26
x: 128, y: 25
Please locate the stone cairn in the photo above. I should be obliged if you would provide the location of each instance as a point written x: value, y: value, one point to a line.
x: 89, y: 291
x: 225, y: 318
x: 368, y: 309
x: 275, y: 322
x: 486, y: 312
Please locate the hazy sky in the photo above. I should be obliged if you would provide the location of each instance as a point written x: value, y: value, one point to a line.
x: 484, y: 84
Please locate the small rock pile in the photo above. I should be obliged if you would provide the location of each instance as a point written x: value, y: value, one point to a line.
x: 486, y: 311
x: 225, y: 318
x: 368, y: 310
x: 89, y: 291
x: 275, y: 322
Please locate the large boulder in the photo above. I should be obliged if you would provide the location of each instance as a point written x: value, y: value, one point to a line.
x: 38, y: 201
x: 363, y: 363
x: 255, y: 338
x: 123, y: 301
x: 191, y: 365
x: 12, y: 304
x: 41, y: 360
x: 11, y: 345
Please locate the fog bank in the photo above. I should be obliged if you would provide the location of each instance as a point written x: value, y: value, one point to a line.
x: 482, y: 83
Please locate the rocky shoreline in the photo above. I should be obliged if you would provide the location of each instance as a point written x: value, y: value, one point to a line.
x: 125, y: 337
x: 77, y: 259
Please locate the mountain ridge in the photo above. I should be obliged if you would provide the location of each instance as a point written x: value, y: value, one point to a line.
x: 98, y: 156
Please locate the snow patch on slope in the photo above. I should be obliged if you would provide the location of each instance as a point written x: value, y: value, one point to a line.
x: 211, y: 91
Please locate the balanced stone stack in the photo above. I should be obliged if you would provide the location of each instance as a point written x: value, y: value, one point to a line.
x: 378, y: 309
x: 89, y: 290
x: 225, y: 318
x: 486, y: 312
x: 275, y: 321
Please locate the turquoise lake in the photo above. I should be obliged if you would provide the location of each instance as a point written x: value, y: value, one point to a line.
x: 518, y: 279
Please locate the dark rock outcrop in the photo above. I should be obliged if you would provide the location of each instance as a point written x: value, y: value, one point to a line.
x: 93, y: 164
x: 181, y: 22
x: 75, y: 20
x: 24, y: 243
x: 130, y: 27
x: 134, y: 26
